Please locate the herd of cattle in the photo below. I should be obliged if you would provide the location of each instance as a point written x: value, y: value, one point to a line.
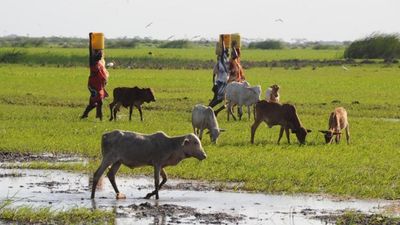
x: 159, y: 150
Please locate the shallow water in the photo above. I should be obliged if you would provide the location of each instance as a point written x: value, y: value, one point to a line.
x: 62, y: 190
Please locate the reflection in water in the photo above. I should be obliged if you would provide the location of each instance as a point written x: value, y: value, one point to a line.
x: 65, y: 190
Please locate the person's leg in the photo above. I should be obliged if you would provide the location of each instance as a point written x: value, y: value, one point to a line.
x: 99, y: 113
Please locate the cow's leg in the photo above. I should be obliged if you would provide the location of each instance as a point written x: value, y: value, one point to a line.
x: 201, y: 133
x: 230, y: 112
x: 140, y: 112
x: 97, y: 175
x: 348, y: 134
x: 280, y: 134
x: 111, y: 176
x: 130, y: 112
x: 112, y: 104
x: 157, y: 170
x: 248, y: 112
x: 253, y: 129
x: 287, y: 134
x: 116, y: 109
x: 164, y: 178
x: 337, y: 139
x: 240, y: 112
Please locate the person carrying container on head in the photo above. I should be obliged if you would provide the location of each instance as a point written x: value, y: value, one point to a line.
x: 235, y: 68
x: 220, y: 77
x: 96, y: 84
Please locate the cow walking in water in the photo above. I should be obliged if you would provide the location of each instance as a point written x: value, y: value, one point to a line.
x: 135, y: 150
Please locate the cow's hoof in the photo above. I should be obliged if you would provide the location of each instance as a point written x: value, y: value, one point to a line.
x: 121, y: 196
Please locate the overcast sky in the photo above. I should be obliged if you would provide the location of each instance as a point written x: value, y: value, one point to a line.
x: 314, y: 20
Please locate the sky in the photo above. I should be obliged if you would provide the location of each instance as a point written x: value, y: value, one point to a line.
x: 288, y: 20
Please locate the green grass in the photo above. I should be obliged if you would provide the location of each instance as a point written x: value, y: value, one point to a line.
x: 78, y: 56
x: 45, y: 215
x: 40, y: 109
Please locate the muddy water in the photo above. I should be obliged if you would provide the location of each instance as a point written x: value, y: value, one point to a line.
x: 190, y: 205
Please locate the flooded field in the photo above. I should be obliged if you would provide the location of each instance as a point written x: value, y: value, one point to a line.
x: 181, y: 202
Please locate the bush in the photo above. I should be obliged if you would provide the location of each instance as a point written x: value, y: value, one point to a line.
x: 176, y: 44
x: 375, y: 46
x: 12, y: 56
x: 267, y: 44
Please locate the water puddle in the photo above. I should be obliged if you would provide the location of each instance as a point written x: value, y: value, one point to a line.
x: 193, y: 204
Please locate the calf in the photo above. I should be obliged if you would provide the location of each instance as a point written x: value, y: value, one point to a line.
x: 130, y: 97
x: 204, y: 118
x: 337, y: 122
x: 135, y: 150
x: 241, y: 94
x: 272, y: 94
x: 276, y: 114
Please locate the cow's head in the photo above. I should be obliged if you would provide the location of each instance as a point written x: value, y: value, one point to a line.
x: 214, y: 134
x: 301, y: 134
x: 149, y: 95
x: 192, y: 147
x: 328, y: 135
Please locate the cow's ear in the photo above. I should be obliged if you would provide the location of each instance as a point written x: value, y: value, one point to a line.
x: 309, y: 131
x: 185, y: 142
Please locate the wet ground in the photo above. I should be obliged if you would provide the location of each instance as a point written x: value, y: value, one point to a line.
x: 181, y: 202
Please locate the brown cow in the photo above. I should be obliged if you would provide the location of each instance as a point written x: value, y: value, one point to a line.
x: 276, y: 114
x: 129, y: 97
x: 337, y: 122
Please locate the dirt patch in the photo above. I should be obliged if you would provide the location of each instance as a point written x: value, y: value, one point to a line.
x: 177, y: 213
x: 47, y: 157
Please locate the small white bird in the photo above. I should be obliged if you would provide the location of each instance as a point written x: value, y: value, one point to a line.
x: 345, y: 68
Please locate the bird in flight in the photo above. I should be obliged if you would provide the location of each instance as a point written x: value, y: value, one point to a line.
x: 148, y: 25
x: 279, y: 20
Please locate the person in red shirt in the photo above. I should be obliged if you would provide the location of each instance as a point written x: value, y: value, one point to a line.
x: 96, y: 85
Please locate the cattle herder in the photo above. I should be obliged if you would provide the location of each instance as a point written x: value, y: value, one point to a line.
x: 97, y: 79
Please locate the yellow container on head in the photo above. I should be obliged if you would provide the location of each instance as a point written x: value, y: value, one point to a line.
x: 97, y: 41
x: 235, y: 40
x: 226, y: 39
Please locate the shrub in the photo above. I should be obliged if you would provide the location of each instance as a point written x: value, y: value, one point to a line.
x: 375, y: 46
x: 267, y: 44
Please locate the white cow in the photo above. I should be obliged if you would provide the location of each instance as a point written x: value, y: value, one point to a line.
x: 241, y: 94
x: 203, y: 117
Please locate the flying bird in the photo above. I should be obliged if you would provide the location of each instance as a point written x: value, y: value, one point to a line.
x: 170, y: 37
x: 148, y: 25
x: 279, y: 20
x: 194, y: 37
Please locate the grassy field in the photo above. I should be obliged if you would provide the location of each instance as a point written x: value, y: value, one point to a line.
x: 78, y: 56
x: 40, y: 109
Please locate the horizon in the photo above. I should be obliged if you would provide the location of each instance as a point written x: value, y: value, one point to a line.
x: 286, y: 20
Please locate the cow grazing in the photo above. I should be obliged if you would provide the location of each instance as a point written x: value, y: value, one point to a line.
x: 135, y: 150
x: 337, y: 122
x: 276, y: 114
x: 203, y: 117
x: 272, y: 94
x: 241, y: 94
x: 130, y: 97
